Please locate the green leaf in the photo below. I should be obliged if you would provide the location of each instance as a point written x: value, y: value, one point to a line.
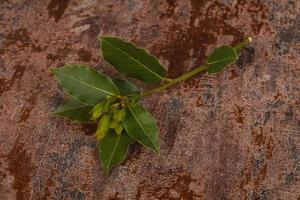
x: 75, y: 110
x: 132, y: 61
x: 85, y: 83
x: 221, y: 58
x: 141, y: 126
x: 113, y: 149
x: 126, y: 88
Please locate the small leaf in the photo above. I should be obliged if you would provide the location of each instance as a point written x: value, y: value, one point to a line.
x: 221, y: 58
x: 132, y: 61
x: 85, y: 83
x: 105, y: 107
x: 75, y: 110
x: 126, y: 88
x: 141, y: 126
x: 113, y: 149
x: 113, y: 124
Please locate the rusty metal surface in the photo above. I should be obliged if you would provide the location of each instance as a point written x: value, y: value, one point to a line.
x: 235, y: 135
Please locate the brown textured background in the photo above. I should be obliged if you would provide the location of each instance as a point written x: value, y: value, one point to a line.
x: 235, y: 135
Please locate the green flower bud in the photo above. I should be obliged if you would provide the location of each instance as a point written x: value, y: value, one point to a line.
x: 119, y: 128
x: 104, y: 123
x: 119, y: 115
x: 97, y: 111
x: 113, y: 123
x: 99, y: 135
x: 106, y: 107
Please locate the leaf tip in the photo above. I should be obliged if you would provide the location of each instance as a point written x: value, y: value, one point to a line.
x: 157, y: 150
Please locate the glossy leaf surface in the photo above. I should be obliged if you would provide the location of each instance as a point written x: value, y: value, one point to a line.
x: 85, y: 83
x: 113, y: 149
x: 74, y: 110
x: 125, y: 87
x: 221, y: 58
x: 141, y: 126
x: 132, y: 61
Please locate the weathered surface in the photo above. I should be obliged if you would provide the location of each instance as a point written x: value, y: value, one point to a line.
x: 235, y: 135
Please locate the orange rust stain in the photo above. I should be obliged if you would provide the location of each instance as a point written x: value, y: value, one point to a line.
x: 257, y: 12
x: 171, y: 5
x: 178, y: 181
x: 21, y: 167
x: 139, y: 191
x: 84, y: 55
x: 27, y: 108
x: 270, y: 148
x: 239, y: 114
x: 19, y: 37
x: 261, y: 176
x: 233, y: 75
x: 259, y: 139
x: 182, y: 186
x: 50, y: 183
x: 278, y: 94
x: 199, y: 102
x: 246, y: 179
x: 5, y: 85
x: 115, y: 197
x: 56, y: 8
x: 250, y: 180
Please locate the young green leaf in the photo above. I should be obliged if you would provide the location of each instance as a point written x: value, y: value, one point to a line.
x: 125, y: 87
x: 74, y: 110
x: 113, y: 149
x: 132, y: 61
x: 221, y: 58
x: 85, y: 83
x: 141, y: 126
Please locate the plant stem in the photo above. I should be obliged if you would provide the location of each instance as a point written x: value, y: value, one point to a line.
x: 176, y: 80
x: 243, y: 44
x: 189, y: 74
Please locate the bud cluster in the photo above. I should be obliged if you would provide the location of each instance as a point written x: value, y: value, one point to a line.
x: 110, y: 113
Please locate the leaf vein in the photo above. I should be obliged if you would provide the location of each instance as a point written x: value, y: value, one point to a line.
x: 160, y: 77
x: 140, y: 125
x: 88, y: 84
